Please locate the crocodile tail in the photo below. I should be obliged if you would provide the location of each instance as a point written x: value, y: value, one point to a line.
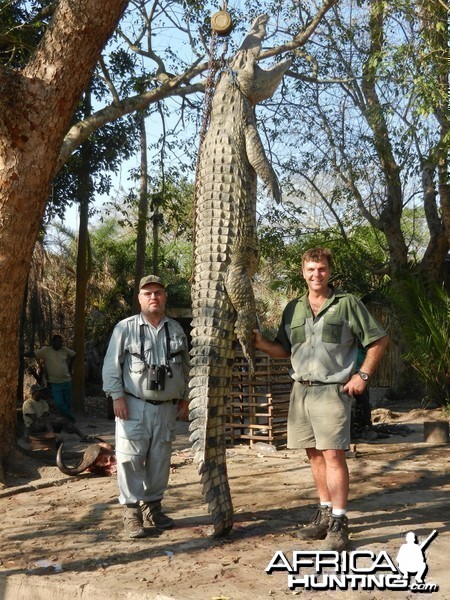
x: 212, y: 465
x: 212, y: 358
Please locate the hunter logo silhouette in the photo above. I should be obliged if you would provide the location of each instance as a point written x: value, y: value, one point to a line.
x: 411, y: 556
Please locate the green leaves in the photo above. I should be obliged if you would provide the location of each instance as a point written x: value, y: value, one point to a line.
x: 424, y: 314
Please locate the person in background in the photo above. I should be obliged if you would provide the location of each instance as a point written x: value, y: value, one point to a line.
x: 320, y: 332
x: 37, y: 418
x: 145, y: 372
x: 58, y: 364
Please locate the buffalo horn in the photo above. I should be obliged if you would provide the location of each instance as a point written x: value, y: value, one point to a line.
x: 89, y: 457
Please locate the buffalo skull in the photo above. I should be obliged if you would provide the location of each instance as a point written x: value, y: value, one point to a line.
x: 98, y: 459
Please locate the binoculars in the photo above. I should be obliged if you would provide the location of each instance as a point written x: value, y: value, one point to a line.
x: 157, y: 377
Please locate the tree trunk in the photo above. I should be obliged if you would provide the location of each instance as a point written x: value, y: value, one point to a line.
x: 83, y: 275
x: 84, y: 264
x: 141, y: 239
x: 432, y: 262
x: 389, y: 220
x: 432, y: 267
x: 36, y: 105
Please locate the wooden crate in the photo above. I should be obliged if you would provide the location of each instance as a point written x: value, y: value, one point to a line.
x: 258, y: 406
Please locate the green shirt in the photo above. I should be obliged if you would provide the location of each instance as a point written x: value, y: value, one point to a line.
x: 325, y: 348
x: 56, y: 363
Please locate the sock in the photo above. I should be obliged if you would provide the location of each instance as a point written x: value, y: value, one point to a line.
x: 338, y: 512
x: 325, y: 504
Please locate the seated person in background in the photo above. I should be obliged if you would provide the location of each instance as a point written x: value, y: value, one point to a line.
x: 37, y: 417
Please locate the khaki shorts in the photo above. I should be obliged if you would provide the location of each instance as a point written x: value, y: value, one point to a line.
x: 319, y: 417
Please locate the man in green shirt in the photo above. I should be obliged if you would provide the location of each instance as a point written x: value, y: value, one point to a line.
x: 320, y: 332
x: 58, y: 362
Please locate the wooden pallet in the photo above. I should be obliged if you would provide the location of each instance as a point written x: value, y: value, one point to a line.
x: 258, y: 405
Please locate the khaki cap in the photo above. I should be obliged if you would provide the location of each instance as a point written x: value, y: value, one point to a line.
x: 151, y: 279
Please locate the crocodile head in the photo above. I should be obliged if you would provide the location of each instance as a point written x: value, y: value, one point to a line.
x: 255, y: 83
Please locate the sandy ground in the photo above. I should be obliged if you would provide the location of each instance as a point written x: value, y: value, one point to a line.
x: 62, y: 537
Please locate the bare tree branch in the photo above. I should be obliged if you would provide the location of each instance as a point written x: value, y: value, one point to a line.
x: 301, y: 38
x: 172, y: 87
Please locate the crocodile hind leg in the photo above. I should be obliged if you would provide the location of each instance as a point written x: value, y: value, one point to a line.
x: 240, y: 291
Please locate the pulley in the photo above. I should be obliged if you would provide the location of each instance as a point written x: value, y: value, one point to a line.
x: 221, y: 21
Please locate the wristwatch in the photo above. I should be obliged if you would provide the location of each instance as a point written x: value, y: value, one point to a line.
x: 364, y: 376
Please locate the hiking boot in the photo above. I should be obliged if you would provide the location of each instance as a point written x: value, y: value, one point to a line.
x: 318, y: 526
x: 153, y: 514
x: 337, y: 535
x: 132, y: 521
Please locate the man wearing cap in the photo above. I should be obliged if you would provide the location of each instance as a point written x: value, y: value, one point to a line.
x: 145, y: 371
x: 37, y: 418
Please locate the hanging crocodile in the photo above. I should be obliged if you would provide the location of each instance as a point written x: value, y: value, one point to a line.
x: 226, y: 256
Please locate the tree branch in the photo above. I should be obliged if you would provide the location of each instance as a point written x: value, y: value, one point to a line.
x: 173, y: 87
x: 302, y: 37
x: 107, y: 79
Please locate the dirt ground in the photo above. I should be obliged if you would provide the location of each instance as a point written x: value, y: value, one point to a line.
x: 61, y: 537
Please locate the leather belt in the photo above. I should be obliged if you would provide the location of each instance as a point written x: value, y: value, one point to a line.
x: 311, y: 383
x: 156, y: 402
